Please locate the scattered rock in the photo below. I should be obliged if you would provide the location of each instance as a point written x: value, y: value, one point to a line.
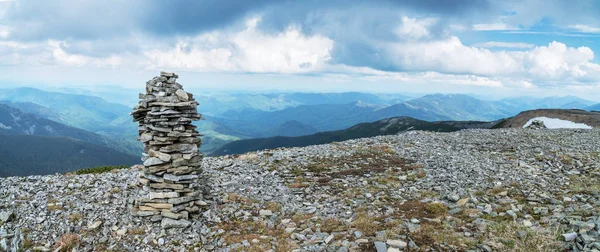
x: 397, y: 244
x: 380, y: 246
x: 265, y: 212
x: 171, y: 223
x: 570, y: 236
x: 94, y: 225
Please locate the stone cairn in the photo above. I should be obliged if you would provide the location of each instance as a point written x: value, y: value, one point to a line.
x: 172, y: 162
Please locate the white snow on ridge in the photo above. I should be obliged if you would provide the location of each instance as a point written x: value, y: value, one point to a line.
x: 555, y: 123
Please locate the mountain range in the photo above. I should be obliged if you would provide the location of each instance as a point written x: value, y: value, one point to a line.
x: 233, y: 117
x: 389, y: 126
x: 395, y: 125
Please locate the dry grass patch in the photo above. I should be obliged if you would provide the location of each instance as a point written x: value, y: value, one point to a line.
x: 137, y: 231
x: 366, y: 224
x: 286, y: 245
x: 419, y: 210
x: 233, y: 197
x: 584, y: 184
x: 66, y: 243
x: 27, y: 243
x: 330, y: 225
x: 115, y: 190
x: 75, y: 217
x: 384, y: 148
x: 53, y: 207
x: 431, y: 235
x: 505, y: 234
x: 364, y: 161
x: 298, y: 185
x: 389, y: 180
x: 300, y: 218
x: 273, y: 206
x: 496, y: 190
x: 237, y: 231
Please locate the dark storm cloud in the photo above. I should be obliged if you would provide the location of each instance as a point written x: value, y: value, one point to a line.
x: 190, y: 17
x: 86, y: 19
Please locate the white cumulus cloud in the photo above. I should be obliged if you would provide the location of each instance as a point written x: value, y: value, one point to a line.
x: 412, y: 28
x: 64, y: 58
x: 494, y: 27
x: 496, y: 44
x: 248, y: 50
x: 554, y: 63
x: 584, y: 28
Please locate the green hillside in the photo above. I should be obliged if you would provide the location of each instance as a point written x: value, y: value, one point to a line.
x: 40, y: 155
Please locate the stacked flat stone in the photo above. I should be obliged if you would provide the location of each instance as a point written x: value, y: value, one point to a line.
x: 172, y: 162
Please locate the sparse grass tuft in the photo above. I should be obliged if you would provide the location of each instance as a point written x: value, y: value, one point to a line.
x: 100, y: 169
x: 27, y: 244
x: 75, y: 217
x: 137, y: 231
x: 55, y: 207
x: 437, y: 209
x: 66, y: 242
x: 273, y: 206
x: 504, y: 233
x: 332, y: 225
x: 365, y: 224
x: 434, y: 234
x: 497, y: 190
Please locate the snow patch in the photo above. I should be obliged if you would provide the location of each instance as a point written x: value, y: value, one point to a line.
x: 31, y: 130
x: 16, y: 118
x: 49, y: 129
x: 555, y: 123
x: 2, y: 126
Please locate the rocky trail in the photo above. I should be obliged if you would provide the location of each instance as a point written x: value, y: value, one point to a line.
x: 472, y: 190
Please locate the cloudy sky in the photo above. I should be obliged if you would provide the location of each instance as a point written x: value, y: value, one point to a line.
x: 493, y: 48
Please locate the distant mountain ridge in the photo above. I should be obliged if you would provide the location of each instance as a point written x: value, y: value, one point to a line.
x: 82, y: 111
x: 235, y: 116
x: 15, y: 122
x: 594, y: 107
x: 387, y: 126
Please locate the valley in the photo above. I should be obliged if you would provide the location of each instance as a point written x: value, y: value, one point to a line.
x: 236, y: 123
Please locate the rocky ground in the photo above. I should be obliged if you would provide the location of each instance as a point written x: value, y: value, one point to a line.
x: 473, y: 190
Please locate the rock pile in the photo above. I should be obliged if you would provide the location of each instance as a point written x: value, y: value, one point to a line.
x: 10, y: 235
x: 536, y: 125
x: 172, y: 162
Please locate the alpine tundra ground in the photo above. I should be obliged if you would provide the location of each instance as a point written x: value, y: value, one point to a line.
x: 477, y: 190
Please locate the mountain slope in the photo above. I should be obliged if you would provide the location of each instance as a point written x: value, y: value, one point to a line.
x: 573, y: 115
x: 516, y: 105
x: 388, y: 126
x: 215, y: 104
x: 22, y: 155
x: 322, y: 117
x: 594, y: 107
x: 15, y: 122
x: 406, y: 109
x: 291, y: 128
x: 86, y: 112
x: 35, y: 109
x: 459, y: 107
